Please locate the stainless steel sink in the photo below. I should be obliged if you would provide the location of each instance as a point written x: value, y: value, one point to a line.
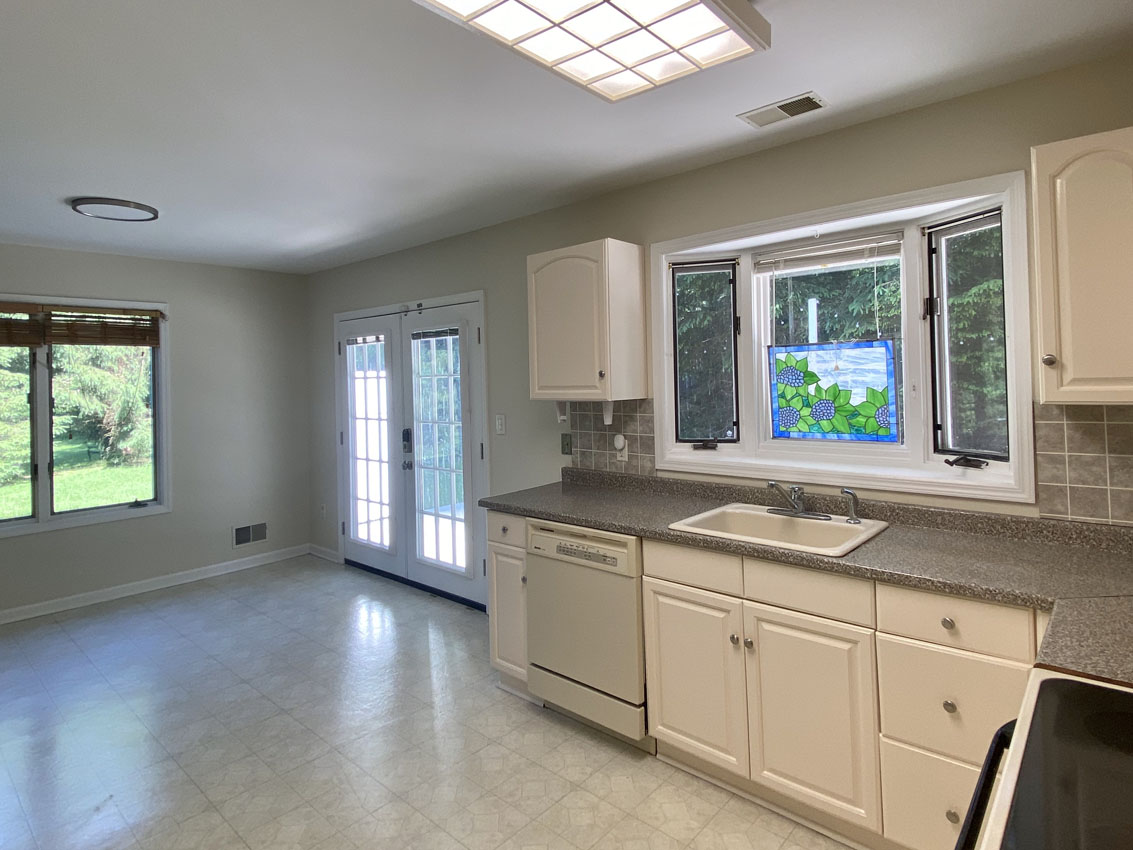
x: 755, y: 524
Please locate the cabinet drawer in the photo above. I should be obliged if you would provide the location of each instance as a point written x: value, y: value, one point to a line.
x: 946, y: 701
x: 1002, y: 630
x: 697, y: 567
x: 507, y: 529
x: 924, y: 797
x: 810, y: 591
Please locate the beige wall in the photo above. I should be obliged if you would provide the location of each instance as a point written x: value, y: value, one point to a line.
x: 237, y: 356
x: 986, y: 133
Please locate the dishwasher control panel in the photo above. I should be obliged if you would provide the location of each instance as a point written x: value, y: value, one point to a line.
x: 586, y: 553
x: 559, y: 544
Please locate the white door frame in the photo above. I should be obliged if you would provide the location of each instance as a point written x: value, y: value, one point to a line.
x: 478, y: 472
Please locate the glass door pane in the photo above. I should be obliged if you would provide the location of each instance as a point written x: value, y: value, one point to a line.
x: 371, y: 499
x: 439, y: 443
x: 16, y: 492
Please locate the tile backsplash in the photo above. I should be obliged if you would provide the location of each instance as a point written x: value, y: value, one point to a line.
x: 1084, y: 461
x: 593, y: 441
x: 1083, y: 454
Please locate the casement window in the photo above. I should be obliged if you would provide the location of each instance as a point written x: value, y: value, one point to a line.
x: 877, y: 345
x: 81, y: 437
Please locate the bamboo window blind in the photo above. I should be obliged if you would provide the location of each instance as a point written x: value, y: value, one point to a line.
x: 29, y: 325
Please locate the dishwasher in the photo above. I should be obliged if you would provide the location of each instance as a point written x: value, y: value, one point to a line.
x: 585, y: 640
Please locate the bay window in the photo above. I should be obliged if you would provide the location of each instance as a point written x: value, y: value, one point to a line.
x: 881, y: 345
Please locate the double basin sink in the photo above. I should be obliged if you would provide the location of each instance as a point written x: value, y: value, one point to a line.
x: 757, y: 524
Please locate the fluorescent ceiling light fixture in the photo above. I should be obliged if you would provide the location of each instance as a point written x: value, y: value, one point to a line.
x: 553, y: 46
x: 558, y: 10
x: 648, y: 11
x: 618, y: 48
x: 511, y: 21
x: 636, y: 48
x: 666, y: 68
x: 113, y: 209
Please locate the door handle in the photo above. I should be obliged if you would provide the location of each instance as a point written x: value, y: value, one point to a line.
x: 407, y: 464
x: 407, y: 441
x: 970, y: 831
x: 749, y: 643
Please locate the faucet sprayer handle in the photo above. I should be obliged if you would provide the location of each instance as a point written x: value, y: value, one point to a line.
x: 852, y: 519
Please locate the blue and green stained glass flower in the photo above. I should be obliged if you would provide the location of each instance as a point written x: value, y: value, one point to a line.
x: 835, y: 391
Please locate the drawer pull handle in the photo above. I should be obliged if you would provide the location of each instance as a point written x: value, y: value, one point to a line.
x: 735, y: 639
x: 948, y: 623
x: 953, y: 816
x: 749, y: 643
x: 950, y: 706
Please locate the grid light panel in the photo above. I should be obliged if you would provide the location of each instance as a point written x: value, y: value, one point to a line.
x: 614, y: 48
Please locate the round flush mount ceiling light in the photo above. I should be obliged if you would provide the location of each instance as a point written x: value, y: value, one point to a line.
x: 113, y: 209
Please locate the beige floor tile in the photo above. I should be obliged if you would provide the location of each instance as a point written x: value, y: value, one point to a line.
x: 729, y: 831
x: 486, y: 823
x: 389, y: 826
x: 232, y: 780
x: 207, y: 831
x: 533, y: 790
x: 535, y: 836
x: 632, y: 834
x: 677, y: 813
x: 769, y: 820
x: 443, y: 797
x: 622, y: 782
x: 300, y: 829
x: 492, y: 765
x: 581, y: 818
x: 809, y: 839
x: 261, y: 805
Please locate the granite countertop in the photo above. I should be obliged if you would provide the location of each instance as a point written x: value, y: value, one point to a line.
x: 1067, y: 568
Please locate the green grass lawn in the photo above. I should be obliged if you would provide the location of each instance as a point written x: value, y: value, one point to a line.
x: 82, y: 485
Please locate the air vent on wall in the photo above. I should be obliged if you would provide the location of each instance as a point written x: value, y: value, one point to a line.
x: 789, y: 108
x: 246, y: 534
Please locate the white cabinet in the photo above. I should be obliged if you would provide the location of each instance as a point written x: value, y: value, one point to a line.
x: 586, y: 322
x: 812, y: 709
x: 1083, y: 196
x: 694, y: 673
x: 507, y: 609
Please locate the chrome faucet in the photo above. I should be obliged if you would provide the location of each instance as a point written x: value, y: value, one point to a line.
x: 852, y: 519
x: 794, y: 498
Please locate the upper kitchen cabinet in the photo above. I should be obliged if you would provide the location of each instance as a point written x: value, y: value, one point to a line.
x: 1083, y: 196
x: 586, y: 322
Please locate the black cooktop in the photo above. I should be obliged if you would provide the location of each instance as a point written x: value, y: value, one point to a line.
x: 1075, y: 786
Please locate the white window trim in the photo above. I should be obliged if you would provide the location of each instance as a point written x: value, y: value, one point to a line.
x: 163, y: 501
x: 912, y: 467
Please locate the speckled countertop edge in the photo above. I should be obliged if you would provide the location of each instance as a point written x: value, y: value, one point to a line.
x: 1048, y: 573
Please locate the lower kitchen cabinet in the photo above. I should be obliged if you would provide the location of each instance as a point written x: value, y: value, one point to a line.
x: 694, y: 672
x: 507, y: 609
x: 926, y: 796
x: 812, y: 711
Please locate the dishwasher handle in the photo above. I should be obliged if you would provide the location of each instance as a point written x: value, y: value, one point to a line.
x: 970, y: 831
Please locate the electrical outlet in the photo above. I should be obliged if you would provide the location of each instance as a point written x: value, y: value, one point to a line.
x: 501, y: 424
x: 565, y: 443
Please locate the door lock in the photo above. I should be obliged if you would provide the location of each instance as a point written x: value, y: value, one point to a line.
x: 407, y: 464
x: 407, y: 441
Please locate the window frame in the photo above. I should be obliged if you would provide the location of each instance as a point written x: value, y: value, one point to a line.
x: 45, y: 519
x: 733, y: 267
x: 913, y: 466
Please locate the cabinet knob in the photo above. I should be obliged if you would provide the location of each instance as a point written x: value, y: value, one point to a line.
x: 1049, y: 360
x: 948, y: 623
x: 952, y: 815
x: 749, y: 643
x: 949, y: 706
x: 601, y: 374
x: 503, y: 529
x: 523, y: 579
x: 735, y: 639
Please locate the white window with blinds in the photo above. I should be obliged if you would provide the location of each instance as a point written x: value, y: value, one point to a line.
x: 82, y: 430
x: 879, y: 345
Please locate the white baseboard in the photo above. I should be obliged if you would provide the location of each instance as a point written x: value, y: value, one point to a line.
x: 326, y: 554
x: 66, y: 603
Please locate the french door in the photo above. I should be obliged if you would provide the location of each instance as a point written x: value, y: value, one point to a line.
x: 410, y: 443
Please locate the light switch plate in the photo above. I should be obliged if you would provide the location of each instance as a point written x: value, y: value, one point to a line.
x: 501, y: 424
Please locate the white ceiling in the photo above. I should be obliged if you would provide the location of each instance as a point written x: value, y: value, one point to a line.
x: 295, y: 135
